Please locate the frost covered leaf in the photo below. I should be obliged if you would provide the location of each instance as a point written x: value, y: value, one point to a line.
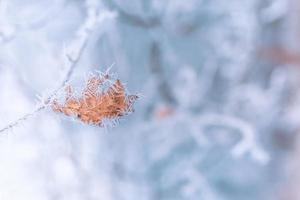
x: 101, y: 99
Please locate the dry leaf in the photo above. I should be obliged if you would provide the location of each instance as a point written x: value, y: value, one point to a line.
x: 97, y: 104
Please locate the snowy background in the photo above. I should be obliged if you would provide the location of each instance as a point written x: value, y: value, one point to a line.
x: 219, y: 110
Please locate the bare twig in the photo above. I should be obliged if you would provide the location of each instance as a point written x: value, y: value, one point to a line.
x: 25, y: 117
x: 156, y: 68
x: 84, y: 32
x: 248, y: 142
x: 135, y: 20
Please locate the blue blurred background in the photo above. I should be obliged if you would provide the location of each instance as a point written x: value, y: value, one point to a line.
x: 218, y: 116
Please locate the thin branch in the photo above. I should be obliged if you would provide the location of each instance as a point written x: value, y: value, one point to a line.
x: 25, y: 117
x: 157, y: 69
x: 248, y: 142
x: 135, y: 20
x: 84, y: 32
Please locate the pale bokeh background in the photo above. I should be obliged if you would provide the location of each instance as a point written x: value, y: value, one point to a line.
x: 219, y: 115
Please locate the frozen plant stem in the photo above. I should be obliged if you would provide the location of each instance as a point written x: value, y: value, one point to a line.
x: 46, y: 102
x: 84, y: 33
x: 25, y: 117
x: 157, y: 69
